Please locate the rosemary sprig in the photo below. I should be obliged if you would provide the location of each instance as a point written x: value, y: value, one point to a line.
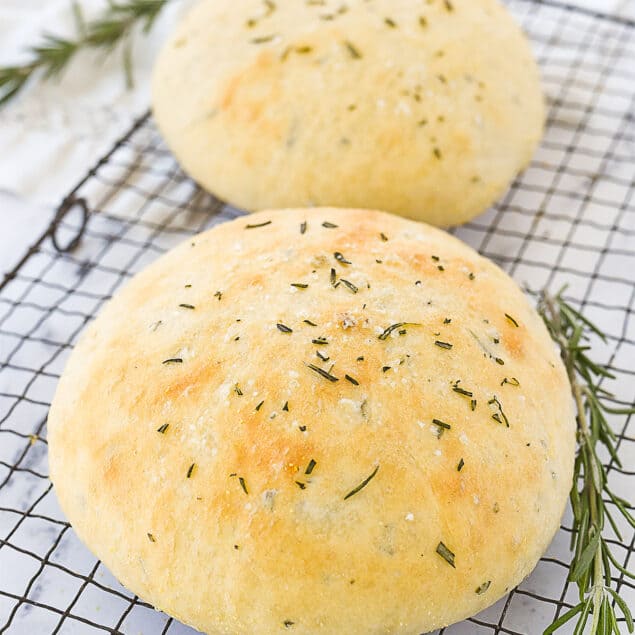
x: 113, y: 27
x: 593, y: 562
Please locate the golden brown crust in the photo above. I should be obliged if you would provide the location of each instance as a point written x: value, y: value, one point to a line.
x: 249, y: 540
x: 306, y: 105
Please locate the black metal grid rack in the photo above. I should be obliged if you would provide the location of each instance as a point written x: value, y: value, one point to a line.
x: 570, y: 218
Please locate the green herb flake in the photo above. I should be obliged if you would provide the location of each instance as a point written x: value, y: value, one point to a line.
x: 288, y: 623
x: 151, y: 538
x: 285, y: 53
x: 441, y: 424
x: 323, y: 373
x: 352, y: 380
x: 499, y: 361
x: 512, y: 381
x: 473, y: 405
x: 447, y: 321
x: 423, y: 22
x: 385, y: 369
x: 309, y: 467
x: 190, y: 470
x: 459, y: 467
x: 349, y: 285
x: 320, y: 341
x: 219, y: 295
x: 300, y: 484
x: 383, y: 237
x: 363, y: 484
x: 353, y: 50
x: 461, y: 391
x: 329, y: 225
x: 390, y: 23
x: 260, y: 405
x: 324, y: 358
x: 163, y: 428
x: 283, y: 328
x: 241, y: 480
x: 188, y: 286
x: 299, y: 285
x: 395, y: 327
x: 261, y: 40
x: 446, y: 554
x: 448, y: 5
x: 471, y: 276
x: 303, y: 227
x: 173, y: 360
x: 511, y: 320
x: 437, y: 153
x: 481, y: 589
x: 445, y: 345
x: 257, y: 225
x: 286, y: 406
x: 187, y: 306
x: 339, y: 256
x: 238, y: 391
x: 309, y: 322
x: 499, y: 416
x: 333, y: 276
x: 360, y: 358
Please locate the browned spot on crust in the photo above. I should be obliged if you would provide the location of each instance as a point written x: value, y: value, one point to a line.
x: 512, y: 339
x: 246, y: 96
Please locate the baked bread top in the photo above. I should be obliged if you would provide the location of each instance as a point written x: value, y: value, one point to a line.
x: 426, y: 109
x: 333, y: 421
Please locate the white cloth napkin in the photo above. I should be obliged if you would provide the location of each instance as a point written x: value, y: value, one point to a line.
x: 54, y: 132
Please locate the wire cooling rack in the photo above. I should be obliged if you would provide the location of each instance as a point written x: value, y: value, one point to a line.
x: 569, y: 219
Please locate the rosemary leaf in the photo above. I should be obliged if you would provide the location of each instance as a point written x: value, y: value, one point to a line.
x: 446, y: 554
x: 112, y: 28
x: 592, y: 564
x: 363, y: 484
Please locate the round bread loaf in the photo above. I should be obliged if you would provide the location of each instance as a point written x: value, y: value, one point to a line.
x: 427, y: 109
x: 316, y: 421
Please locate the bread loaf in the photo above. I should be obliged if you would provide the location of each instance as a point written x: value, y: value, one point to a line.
x: 426, y: 109
x: 362, y: 428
